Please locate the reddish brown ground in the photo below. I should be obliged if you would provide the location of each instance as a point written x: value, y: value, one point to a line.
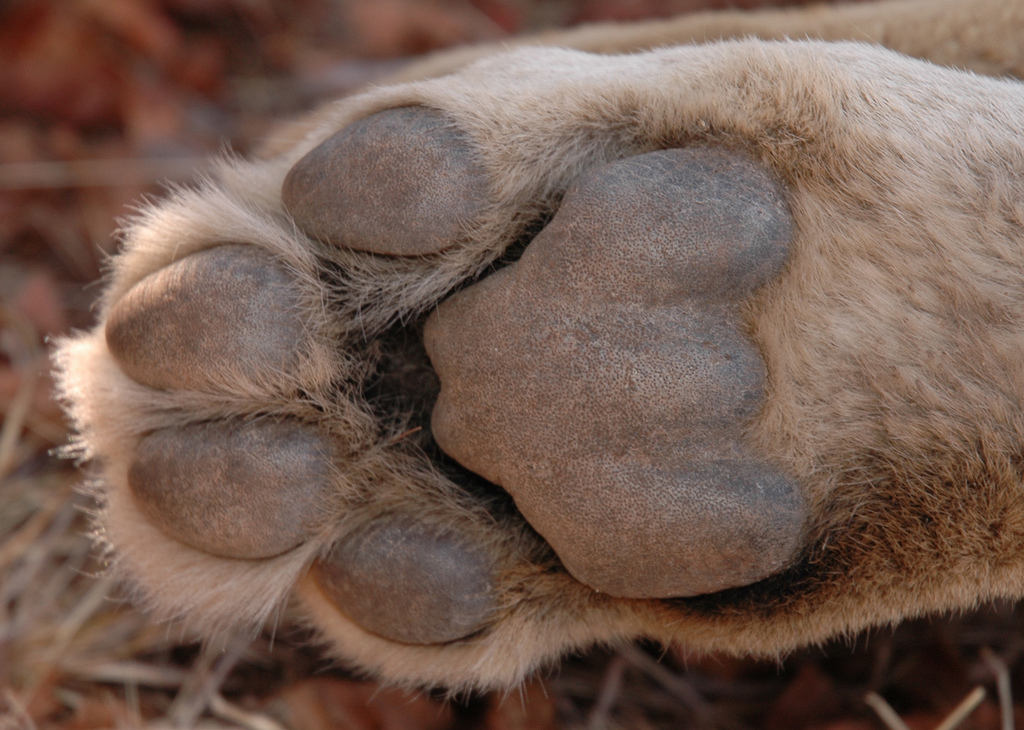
x: 101, y: 98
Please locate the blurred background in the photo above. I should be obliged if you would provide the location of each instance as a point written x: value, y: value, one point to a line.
x: 104, y: 101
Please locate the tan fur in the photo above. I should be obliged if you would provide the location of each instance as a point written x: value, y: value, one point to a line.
x: 894, y: 339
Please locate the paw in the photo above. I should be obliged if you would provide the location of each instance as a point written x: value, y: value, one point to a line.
x: 718, y: 408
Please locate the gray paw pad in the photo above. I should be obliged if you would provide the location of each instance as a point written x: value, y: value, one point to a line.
x: 403, y: 182
x: 234, y: 488
x: 217, y: 315
x: 408, y: 582
x: 604, y: 380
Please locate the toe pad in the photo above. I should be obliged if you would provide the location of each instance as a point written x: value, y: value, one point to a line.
x: 233, y: 489
x: 408, y: 582
x: 214, y: 317
x: 403, y: 182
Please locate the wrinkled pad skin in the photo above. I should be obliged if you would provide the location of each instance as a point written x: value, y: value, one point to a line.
x: 604, y: 380
x: 408, y: 582
x: 216, y: 314
x: 403, y: 182
x: 237, y: 489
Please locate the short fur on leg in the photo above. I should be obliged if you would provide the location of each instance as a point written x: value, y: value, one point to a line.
x: 893, y: 343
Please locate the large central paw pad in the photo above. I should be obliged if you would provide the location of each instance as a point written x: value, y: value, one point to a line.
x: 605, y: 382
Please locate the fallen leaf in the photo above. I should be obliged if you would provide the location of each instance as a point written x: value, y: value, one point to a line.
x: 99, y: 714
x: 140, y: 23
x: 847, y: 725
x: 809, y: 698
x: 325, y: 703
x: 54, y: 63
x: 529, y: 708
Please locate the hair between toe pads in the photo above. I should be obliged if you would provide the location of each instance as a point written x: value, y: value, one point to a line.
x: 606, y: 382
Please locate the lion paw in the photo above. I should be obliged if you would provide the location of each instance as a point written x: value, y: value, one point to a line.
x: 665, y: 312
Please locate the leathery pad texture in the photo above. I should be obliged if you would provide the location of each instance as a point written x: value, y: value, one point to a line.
x: 368, y: 189
x: 604, y: 381
x: 888, y: 351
